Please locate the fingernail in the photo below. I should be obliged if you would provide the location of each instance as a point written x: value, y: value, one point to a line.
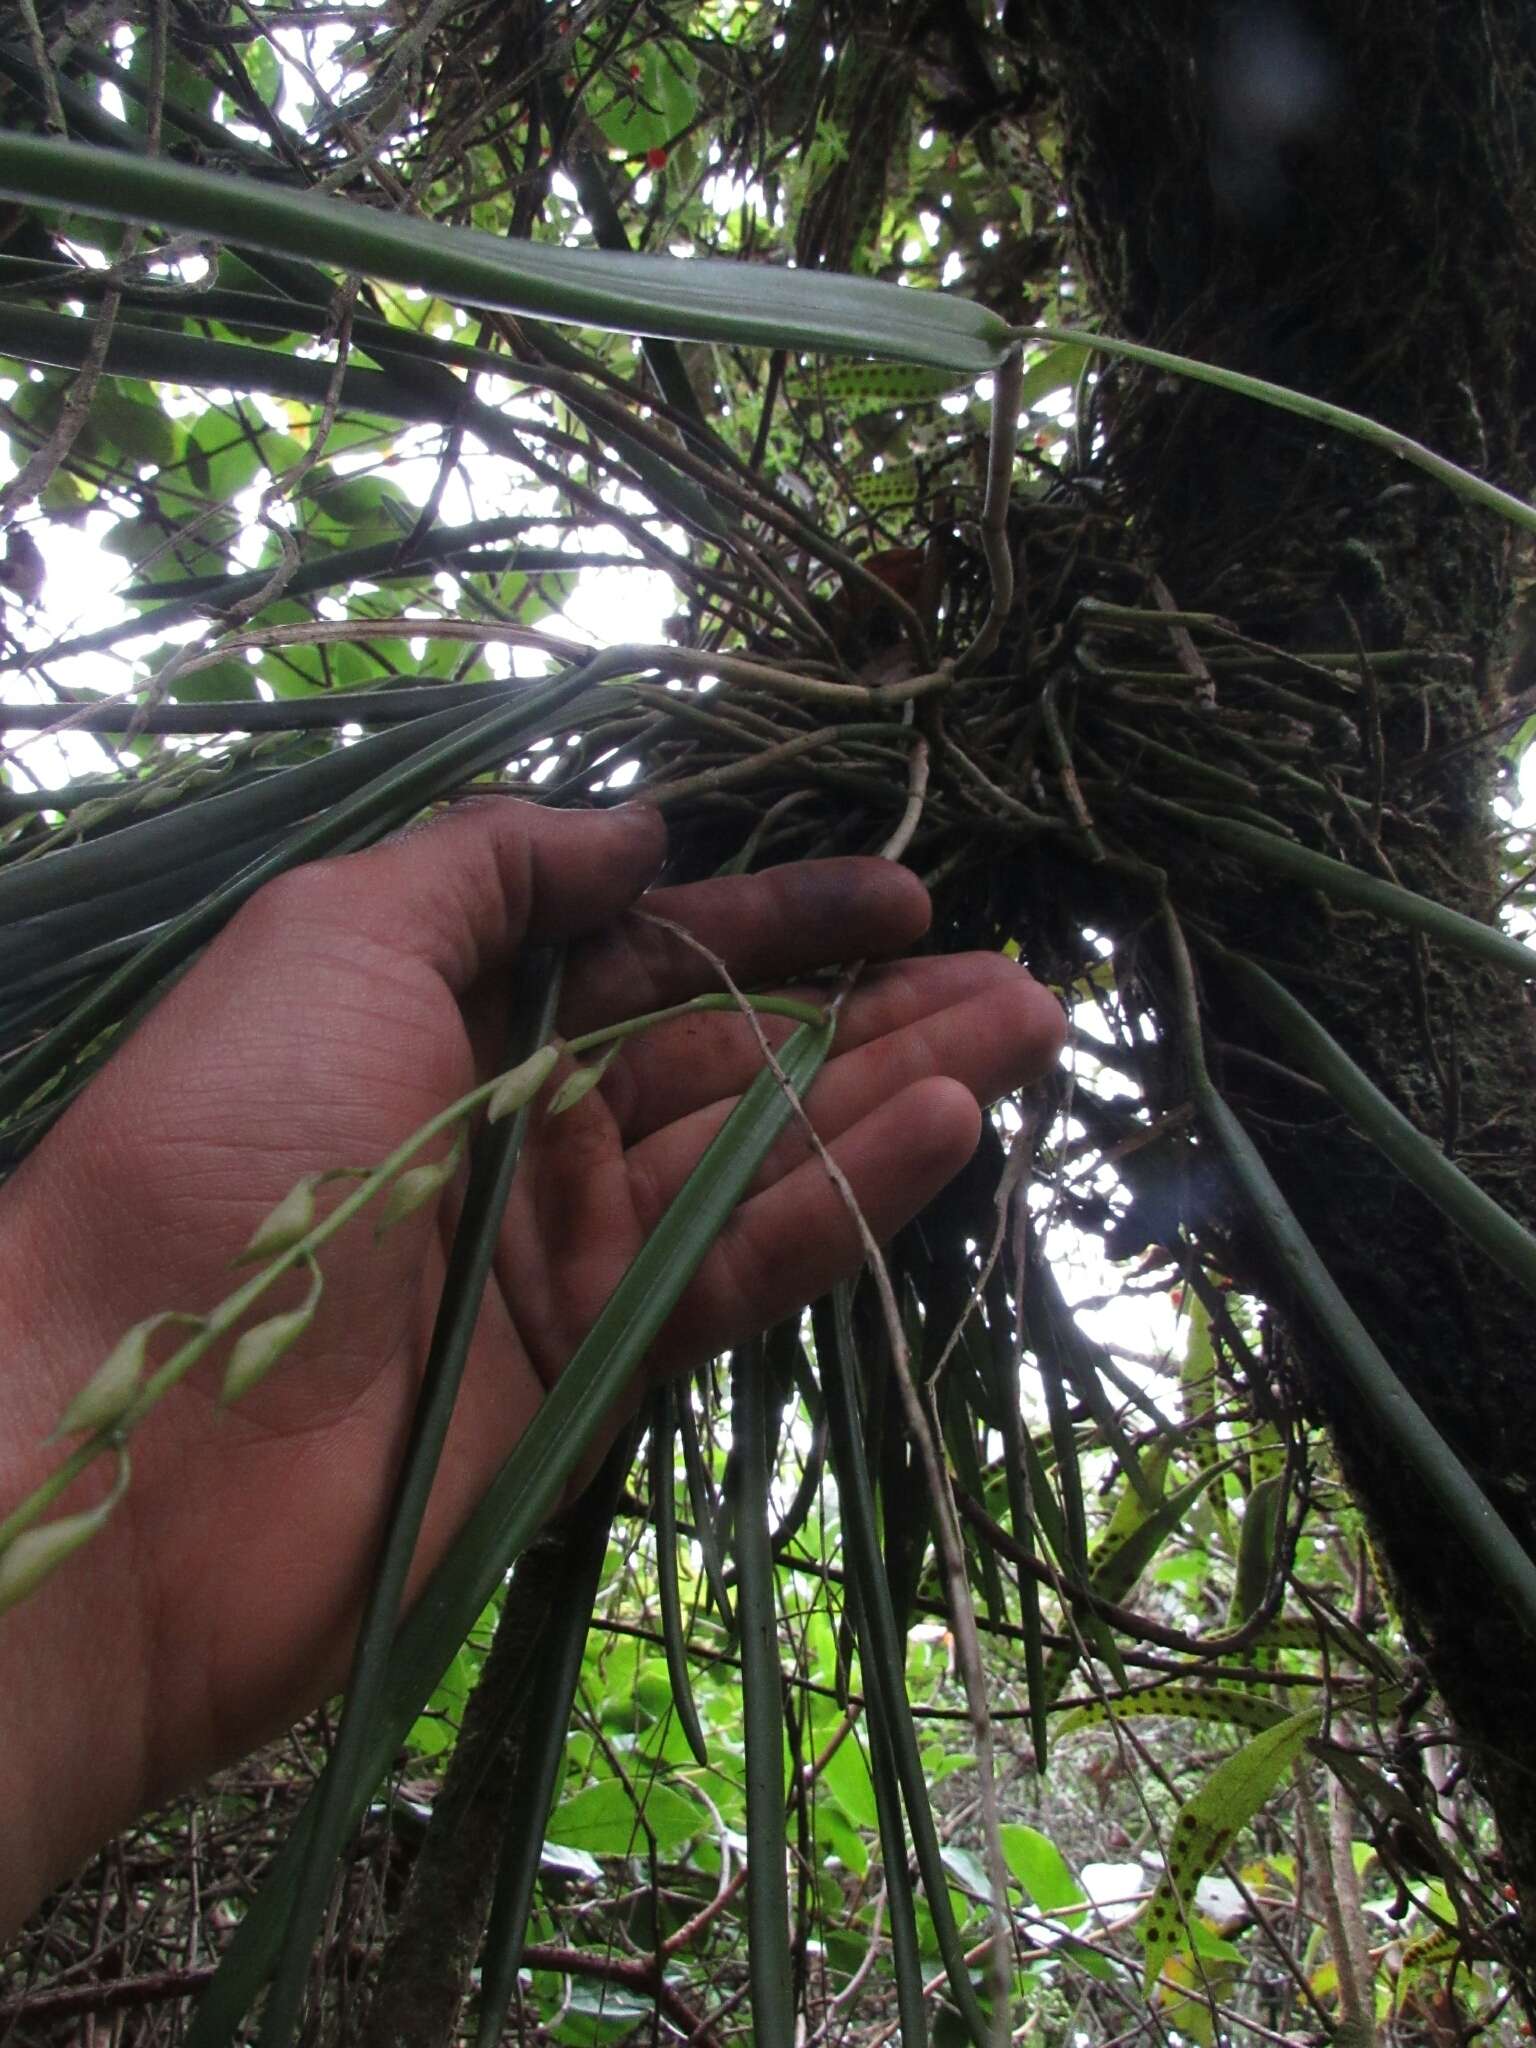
x: 646, y: 824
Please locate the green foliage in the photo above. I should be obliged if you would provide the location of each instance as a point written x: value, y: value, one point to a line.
x: 296, y: 481
x: 1215, y: 1703
x: 1207, y: 1824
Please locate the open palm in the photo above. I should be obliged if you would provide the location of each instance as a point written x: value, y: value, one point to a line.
x: 342, y: 1008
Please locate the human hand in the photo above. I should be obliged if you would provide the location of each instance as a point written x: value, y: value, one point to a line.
x: 345, y: 1005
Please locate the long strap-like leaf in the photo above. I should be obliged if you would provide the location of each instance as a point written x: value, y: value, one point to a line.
x: 882, y: 1647
x: 1501, y: 1236
x: 768, y: 1954
x: 689, y: 299
x: 386, y: 800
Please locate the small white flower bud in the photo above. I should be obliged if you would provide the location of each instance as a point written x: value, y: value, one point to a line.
x: 415, y: 1188
x: 258, y: 1349
x: 521, y: 1083
x: 582, y: 1081
x: 282, y: 1228
x: 112, y: 1386
x: 29, y: 1558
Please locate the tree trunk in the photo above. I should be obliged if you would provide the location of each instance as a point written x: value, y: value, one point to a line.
x: 1340, y: 197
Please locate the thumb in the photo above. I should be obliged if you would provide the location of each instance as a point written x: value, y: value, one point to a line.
x: 463, y: 892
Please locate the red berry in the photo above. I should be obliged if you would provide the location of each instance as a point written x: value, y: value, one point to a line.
x: 656, y: 159
x: 634, y: 70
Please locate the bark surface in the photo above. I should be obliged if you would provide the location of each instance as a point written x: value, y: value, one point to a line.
x: 1340, y: 198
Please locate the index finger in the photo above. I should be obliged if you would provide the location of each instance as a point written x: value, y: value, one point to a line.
x: 766, y: 927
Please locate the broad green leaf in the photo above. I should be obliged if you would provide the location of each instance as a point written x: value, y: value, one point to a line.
x: 837, y: 1838
x: 846, y: 1777
x: 603, y: 1821
x: 637, y: 114
x: 967, y: 1868
x: 217, y: 683
x: 1057, y: 370
x: 280, y: 452
x: 223, y: 452
x: 131, y: 419
x: 591, y: 2015
x: 295, y: 671
x: 1206, y: 1825
x: 136, y: 540
x: 1041, y: 1869
x: 361, y: 429
x: 65, y: 493
x: 367, y: 506
x: 263, y: 69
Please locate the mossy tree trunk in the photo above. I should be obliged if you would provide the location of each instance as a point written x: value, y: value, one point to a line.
x: 1342, y: 197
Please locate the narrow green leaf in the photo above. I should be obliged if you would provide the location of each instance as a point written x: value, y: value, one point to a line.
x: 1476, y: 490
x: 578, y: 1541
x: 768, y: 1955
x: 1501, y: 1236
x: 1396, y: 1413
x: 663, y: 1431
x: 461, y: 746
x: 703, y: 1504
x: 1123, y: 1554
x: 1350, y: 885
x: 1179, y: 1703
x: 1256, y: 1548
x: 906, y: 1954
x: 689, y: 299
x: 882, y: 1649
x: 1029, y: 1493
